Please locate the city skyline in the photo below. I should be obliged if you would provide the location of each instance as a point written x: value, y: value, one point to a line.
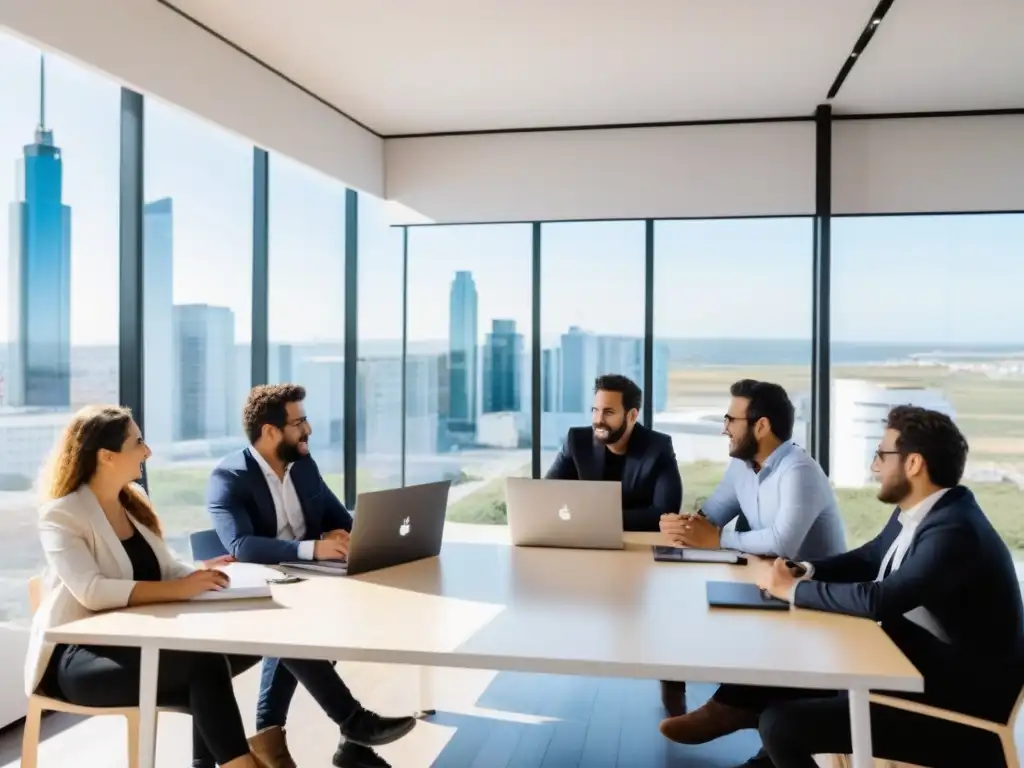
x: 710, y: 279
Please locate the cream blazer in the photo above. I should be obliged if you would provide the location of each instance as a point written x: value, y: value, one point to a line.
x: 87, y: 570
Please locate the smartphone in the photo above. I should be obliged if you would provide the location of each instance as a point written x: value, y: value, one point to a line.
x: 798, y: 569
x: 287, y: 579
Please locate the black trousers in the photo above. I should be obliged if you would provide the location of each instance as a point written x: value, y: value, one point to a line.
x: 105, y: 676
x: 796, y: 724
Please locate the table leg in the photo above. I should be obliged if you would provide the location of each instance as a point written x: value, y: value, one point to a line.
x: 147, y: 706
x: 860, y: 729
x: 426, y: 694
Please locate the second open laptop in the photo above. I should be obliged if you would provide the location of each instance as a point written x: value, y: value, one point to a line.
x: 580, y: 514
x: 390, y: 528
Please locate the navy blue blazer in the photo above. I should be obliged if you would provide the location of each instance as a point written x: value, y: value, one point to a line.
x: 242, y: 508
x: 961, y: 571
x: 651, y: 484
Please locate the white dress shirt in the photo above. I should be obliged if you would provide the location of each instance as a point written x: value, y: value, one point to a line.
x: 291, y: 524
x: 911, y: 520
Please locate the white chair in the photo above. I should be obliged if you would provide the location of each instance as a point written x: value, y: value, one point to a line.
x: 1003, y: 730
x: 38, y: 704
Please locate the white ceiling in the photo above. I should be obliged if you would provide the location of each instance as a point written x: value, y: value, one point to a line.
x: 941, y: 55
x: 423, y: 66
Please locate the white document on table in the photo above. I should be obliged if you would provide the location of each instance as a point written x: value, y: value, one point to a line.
x: 248, y: 580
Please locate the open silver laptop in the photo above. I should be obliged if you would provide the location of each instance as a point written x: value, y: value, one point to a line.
x: 582, y: 514
x: 390, y: 528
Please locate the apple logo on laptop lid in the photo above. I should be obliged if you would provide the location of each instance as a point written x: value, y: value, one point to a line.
x: 403, y: 529
x: 564, y: 512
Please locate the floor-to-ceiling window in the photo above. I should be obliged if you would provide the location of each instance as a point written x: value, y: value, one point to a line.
x: 197, y: 268
x: 306, y: 301
x: 379, y: 385
x: 59, y: 203
x: 592, y: 319
x: 468, y: 363
x: 732, y: 300
x: 926, y: 310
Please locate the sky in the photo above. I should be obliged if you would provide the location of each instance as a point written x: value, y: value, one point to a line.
x: 928, y: 279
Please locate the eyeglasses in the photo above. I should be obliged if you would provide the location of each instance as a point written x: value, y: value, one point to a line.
x: 880, y: 454
x: 728, y: 419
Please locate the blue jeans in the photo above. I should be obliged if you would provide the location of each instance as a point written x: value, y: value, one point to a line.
x: 278, y: 680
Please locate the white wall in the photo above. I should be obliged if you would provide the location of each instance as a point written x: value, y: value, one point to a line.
x: 152, y: 49
x: 928, y: 165
x: 700, y: 171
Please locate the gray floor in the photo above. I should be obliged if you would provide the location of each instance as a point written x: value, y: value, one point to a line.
x: 593, y: 722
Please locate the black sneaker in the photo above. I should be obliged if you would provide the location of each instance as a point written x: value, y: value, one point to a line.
x: 371, y: 730
x: 351, y: 755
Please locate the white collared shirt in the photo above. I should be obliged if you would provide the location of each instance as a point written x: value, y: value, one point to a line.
x: 291, y: 524
x: 910, y: 520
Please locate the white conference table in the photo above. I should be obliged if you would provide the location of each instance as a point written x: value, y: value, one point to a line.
x: 486, y: 605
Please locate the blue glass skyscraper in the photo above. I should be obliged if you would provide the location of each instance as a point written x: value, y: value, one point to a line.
x: 503, y: 364
x: 40, y: 279
x: 462, y: 354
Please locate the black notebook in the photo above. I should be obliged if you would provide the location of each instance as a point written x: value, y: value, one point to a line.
x: 692, y: 555
x: 738, y: 594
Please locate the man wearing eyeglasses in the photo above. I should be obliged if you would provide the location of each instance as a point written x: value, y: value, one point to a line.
x: 780, y: 498
x: 942, y: 585
x: 270, y: 504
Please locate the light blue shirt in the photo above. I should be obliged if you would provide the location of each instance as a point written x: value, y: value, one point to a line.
x: 789, y: 504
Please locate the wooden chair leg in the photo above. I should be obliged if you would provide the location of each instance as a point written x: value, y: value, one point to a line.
x: 30, y: 737
x: 1009, y: 749
x: 132, y: 719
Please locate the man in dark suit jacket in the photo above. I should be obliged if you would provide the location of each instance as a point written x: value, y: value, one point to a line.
x: 270, y: 504
x: 617, y: 448
x: 942, y: 585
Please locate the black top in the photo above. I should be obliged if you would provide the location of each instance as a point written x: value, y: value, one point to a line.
x: 145, y: 566
x: 650, y: 479
x: 613, y: 465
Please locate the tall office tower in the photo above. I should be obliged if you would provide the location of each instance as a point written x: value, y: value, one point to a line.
x: 324, y: 380
x: 579, y: 369
x: 157, y: 312
x: 204, y: 350
x: 379, y: 406
x: 503, y: 365
x: 426, y: 381
x: 279, y: 364
x: 462, y: 353
x: 551, y: 380
x: 623, y: 355
x: 39, y: 300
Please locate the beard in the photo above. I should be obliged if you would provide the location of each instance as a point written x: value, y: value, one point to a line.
x: 289, y: 453
x: 746, y: 449
x: 895, y: 490
x: 614, y: 435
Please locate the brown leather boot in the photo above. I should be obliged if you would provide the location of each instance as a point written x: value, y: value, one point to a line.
x: 673, y: 697
x: 707, y: 723
x: 270, y: 749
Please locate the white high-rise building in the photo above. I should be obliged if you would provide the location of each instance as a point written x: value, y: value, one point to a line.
x: 204, y: 382
x: 157, y: 309
x: 859, y: 411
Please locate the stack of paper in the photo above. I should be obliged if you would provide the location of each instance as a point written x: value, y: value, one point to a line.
x: 248, y: 580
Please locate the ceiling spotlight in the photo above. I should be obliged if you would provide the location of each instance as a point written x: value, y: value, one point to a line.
x: 875, y: 22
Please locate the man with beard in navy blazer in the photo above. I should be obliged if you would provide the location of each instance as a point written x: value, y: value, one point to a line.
x: 270, y: 504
